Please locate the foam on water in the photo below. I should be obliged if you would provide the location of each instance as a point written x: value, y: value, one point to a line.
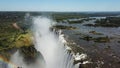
x: 51, y: 46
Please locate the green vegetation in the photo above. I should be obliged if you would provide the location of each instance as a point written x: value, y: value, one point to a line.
x: 64, y: 16
x: 64, y: 27
x: 87, y: 38
x: 95, y: 33
x: 79, y: 21
x: 101, y: 39
x: 75, y: 22
x: 12, y: 39
x: 97, y: 39
x: 107, y: 22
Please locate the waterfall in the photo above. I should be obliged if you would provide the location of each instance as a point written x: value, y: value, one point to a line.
x: 52, y: 47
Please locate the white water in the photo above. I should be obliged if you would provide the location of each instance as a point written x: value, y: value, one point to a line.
x: 51, y: 46
x: 18, y: 61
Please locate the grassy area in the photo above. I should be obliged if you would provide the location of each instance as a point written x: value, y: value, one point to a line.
x: 11, y: 37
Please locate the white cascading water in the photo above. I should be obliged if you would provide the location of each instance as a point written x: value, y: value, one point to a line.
x: 51, y: 47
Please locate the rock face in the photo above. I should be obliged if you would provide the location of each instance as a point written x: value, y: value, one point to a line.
x: 30, y: 54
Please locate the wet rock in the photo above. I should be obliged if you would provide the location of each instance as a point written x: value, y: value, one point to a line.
x: 95, y: 33
x: 89, y: 25
x: 118, y: 62
x: 88, y: 65
x: 80, y: 58
x: 118, y: 41
x: 87, y: 38
x: 102, y: 39
x: 30, y: 54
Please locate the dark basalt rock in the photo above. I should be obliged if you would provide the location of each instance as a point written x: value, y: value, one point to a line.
x: 88, y: 65
x: 30, y: 54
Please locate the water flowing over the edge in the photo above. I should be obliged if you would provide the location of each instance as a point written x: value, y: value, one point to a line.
x: 51, y: 46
